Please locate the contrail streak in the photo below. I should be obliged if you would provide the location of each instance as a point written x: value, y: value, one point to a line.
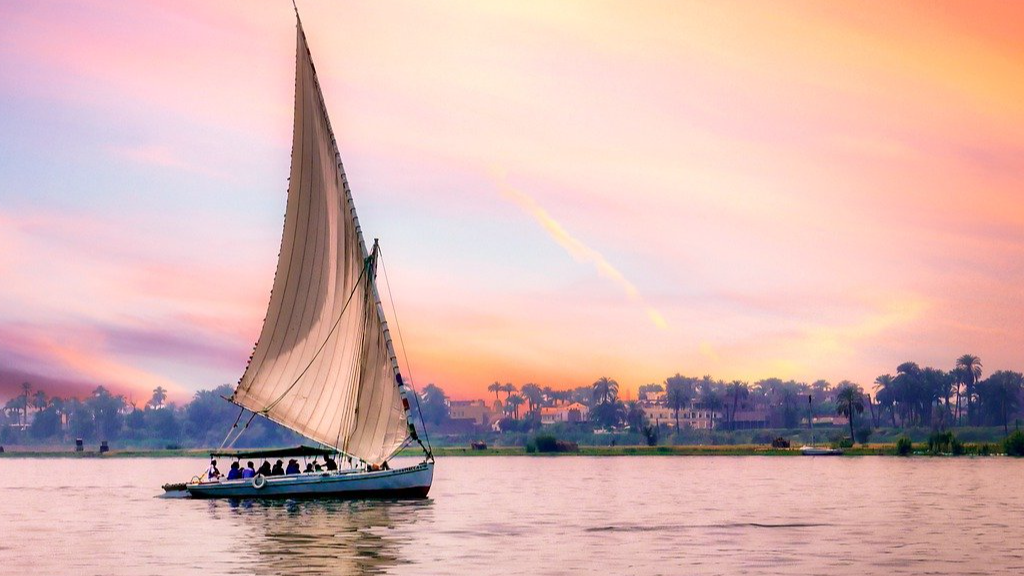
x: 581, y: 252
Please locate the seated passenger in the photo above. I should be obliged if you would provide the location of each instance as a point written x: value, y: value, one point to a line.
x: 249, y: 471
x: 330, y: 464
x: 277, y: 470
x: 213, y: 473
x: 234, y: 473
x: 293, y: 467
x: 309, y: 467
x: 264, y: 468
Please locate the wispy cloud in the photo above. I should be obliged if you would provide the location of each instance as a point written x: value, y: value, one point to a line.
x: 580, y: 251
x: 164, y: 157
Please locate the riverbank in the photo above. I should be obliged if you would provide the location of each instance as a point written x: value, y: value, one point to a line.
x: 445, y: 451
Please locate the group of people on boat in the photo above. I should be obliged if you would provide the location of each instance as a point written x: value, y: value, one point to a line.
x: 236, y: 472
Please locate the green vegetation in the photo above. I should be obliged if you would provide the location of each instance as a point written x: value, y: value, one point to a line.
x: 942, y: 443
x: 904, y: 447
x: 1014, y: 444
x: 547, y: 444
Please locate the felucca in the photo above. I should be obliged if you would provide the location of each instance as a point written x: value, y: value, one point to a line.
x: 324, y: 365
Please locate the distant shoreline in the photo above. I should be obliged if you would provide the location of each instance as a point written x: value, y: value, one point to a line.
x: 455, y: 451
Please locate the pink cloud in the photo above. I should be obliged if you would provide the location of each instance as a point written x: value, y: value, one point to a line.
x: 75, y: 353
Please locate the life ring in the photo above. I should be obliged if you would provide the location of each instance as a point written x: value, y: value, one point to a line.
x: 259, y: 481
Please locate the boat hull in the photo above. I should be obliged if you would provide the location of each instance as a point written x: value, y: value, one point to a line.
x: 404, y: 483
x: 812, y: 451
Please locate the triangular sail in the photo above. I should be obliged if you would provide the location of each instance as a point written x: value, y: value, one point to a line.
x: 323, y: 365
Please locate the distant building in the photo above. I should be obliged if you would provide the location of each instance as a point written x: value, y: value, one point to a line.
x: 652, y: 397
x: 574, y: 412
x: 830, y: 420
x: 698, y: 417
x: 694, y: 416
x: 662, y: 414
x: 476, y: 411
x: 750, y: 419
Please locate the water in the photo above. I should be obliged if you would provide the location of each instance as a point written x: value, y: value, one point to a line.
x: 508, y: 515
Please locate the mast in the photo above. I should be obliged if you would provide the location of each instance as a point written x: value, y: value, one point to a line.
x: 399, y: 381
x: 810, y: 416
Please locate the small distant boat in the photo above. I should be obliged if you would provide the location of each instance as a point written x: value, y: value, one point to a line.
x: 820, y: 451
x: 813, y: 450
x: 324, y: 365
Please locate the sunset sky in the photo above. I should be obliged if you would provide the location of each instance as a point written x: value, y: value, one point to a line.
x: 562, y: 190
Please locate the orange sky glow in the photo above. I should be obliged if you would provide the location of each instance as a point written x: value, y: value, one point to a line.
x: 563, y: 190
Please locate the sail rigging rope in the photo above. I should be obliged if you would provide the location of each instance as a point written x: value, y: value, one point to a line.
x: 233, y: 426
x: 316, y: 355
x: 405, y: 354
x: 242, y: 431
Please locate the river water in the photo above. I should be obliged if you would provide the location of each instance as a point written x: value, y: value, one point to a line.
x: 518, y: 515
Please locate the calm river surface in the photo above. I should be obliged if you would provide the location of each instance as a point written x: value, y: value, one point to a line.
x: 517, y: 515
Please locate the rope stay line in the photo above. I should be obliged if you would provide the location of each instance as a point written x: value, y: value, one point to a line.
x: 242, y: 431
x: 405, y: 354
x: 233, y: 426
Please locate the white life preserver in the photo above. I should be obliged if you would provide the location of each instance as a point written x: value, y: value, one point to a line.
x: 259, y: 481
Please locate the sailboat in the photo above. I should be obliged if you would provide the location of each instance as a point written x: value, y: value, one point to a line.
x: 812, y: 449
x: 324, y: 365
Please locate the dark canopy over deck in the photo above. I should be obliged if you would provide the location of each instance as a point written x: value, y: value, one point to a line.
x: 276, y: 452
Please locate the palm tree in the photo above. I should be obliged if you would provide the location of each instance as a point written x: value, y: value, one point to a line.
x: 495, y: 387
x: 26, y: 388
x: 514, y: 402
x: 934, y: 387
x: 821, y: 388
x: 1001, y: 393
x: 635, y: 416
x: 907, y: 381
x: 970, y: 371
x: 39, y: 400
x: 949, y: 382
x: 885, y: 395
x: 677, y: 394
x: 849, y: 401
x: 710, y: 398
x: 548, y: 395
x: 677, y: 398
x: 737, y: 390
x: 605, y: 390
x: 533, y: 395
x: 958, y: 379
x: 508, y: 389
x: 159, y: 395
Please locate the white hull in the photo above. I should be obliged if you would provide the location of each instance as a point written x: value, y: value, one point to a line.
x: 813, y: 451
x: 411, y: 482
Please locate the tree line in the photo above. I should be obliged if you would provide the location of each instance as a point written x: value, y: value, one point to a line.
x: 913, y: 397
x: 202, y: 422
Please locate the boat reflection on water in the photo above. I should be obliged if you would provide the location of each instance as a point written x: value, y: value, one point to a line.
x: 322, y: 536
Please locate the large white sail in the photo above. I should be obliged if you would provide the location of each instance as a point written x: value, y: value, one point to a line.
x: 323, y: 365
